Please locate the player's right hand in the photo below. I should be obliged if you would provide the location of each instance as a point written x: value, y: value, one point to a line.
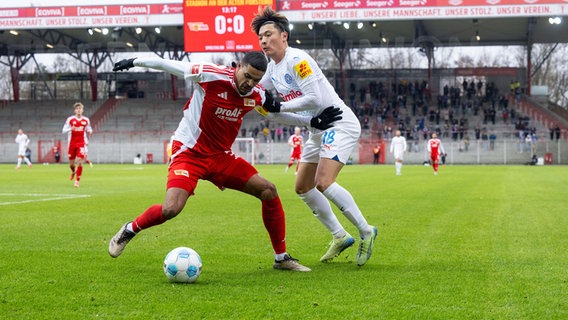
x: 326, y: 118
x: 124, y: 64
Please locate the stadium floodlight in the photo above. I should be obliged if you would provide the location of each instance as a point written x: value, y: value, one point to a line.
x: 555, y: 20
x: 158, y: 30
x: 360, y: 25
x: 373, y: 24
x: 138, y: 30
x: 310, y: 26
x: 105, y: 31
x: 477, y: 37
x: 49, y: 45
x: 298, y: 41
x: 346, y: 25
x: 128, y: 44
x: 14, y: 32
x: 291, y: 26
x: 90, y: 31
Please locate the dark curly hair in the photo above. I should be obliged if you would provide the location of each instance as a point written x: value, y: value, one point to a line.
x: 267, y: 16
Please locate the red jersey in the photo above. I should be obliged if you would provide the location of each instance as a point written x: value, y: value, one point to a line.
x: 435, y: 147
x: 77, y: 129
x: 213, y: 115
x: 296, y: 141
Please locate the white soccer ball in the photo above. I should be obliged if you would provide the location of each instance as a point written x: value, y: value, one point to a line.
x: 182, y: 265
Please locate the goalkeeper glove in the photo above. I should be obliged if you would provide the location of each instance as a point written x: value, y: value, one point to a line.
x: 270, y: 104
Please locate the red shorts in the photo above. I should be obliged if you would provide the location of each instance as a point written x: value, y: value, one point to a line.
x: 296, y: 156
x: 434, y: 157
x: 225, y: 170
x: 76, y: 151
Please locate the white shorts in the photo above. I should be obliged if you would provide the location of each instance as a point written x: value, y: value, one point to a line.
x: 335, y: 143
x: 21, y: 151
x: 399, y: 155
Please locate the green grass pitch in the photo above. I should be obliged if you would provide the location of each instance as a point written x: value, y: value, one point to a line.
x: 474, y: 242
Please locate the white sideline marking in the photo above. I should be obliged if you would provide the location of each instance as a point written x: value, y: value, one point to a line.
x: 53, y: 197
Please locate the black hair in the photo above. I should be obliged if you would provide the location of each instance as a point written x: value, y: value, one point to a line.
x: 255, y: 59
x: 269, y: 16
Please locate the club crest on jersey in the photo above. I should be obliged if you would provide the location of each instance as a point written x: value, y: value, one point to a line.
x: 303, y: 69
x: 195, y: 69
x: 249, y: 102
x: 181, y: 173
x: 288, y: 78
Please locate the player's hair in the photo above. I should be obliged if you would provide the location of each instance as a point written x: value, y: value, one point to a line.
x: 77, y: 104
x: 255, y: 59
x: 269, y: 16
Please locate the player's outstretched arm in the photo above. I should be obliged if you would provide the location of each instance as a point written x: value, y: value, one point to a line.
x: 174, y: 67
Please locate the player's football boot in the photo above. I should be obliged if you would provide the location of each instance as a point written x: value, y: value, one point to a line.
x: 366, y: 248
x: 289, y: 263
x: 336, y: 246
x: 72, y: 176
x: 119, y: 241
x: 76, y: 184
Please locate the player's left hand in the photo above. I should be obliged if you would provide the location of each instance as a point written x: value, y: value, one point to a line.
x: 270, y: 104
x: 124, y: 64
x: 324, y: 120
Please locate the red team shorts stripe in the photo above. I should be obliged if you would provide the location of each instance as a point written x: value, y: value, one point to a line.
x: 225, y: 170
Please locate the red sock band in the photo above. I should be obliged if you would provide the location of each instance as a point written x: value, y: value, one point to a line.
x: 151, y: 217
x: 275, y: 223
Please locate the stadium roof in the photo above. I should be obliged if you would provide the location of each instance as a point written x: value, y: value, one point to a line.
x: 30, y: 31
x: 439, y: 33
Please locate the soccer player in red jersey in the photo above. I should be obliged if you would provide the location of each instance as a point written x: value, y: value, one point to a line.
x: 436, y: 149
x: 78, y: 128
x: 296, y: 141
x: 202, y: 146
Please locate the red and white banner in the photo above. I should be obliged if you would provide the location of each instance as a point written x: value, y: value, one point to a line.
x: 361, y: 10
x: 171, y: 14
x: 90, y: 16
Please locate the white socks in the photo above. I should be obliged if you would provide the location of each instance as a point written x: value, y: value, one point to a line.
x: 345, y: 202
x: 398, y: 166
x: 319, y: 204
x: 321, y: 208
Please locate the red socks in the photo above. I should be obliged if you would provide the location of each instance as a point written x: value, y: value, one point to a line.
x: 151, y: 217
x: 78, y: 173
x: 275, y: 223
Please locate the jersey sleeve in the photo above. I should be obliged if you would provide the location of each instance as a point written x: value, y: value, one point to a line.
x: 177, y: 68
x: 302, y: 71
x: 66, y: 126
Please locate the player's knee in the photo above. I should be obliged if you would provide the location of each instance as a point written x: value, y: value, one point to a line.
x: 268, y: 191
x: 323, y: 184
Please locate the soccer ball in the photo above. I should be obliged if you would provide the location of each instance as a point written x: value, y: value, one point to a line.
x: 182, y: 265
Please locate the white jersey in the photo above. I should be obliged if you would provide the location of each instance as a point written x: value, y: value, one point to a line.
x: 302, y: 85
x: 23, y: 141
x: 398, y: 146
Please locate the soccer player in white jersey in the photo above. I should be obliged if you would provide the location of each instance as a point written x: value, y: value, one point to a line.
x: 201, y: 147
x: 398, y: 148
x: 301, y: 84
x: 23, y: 142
